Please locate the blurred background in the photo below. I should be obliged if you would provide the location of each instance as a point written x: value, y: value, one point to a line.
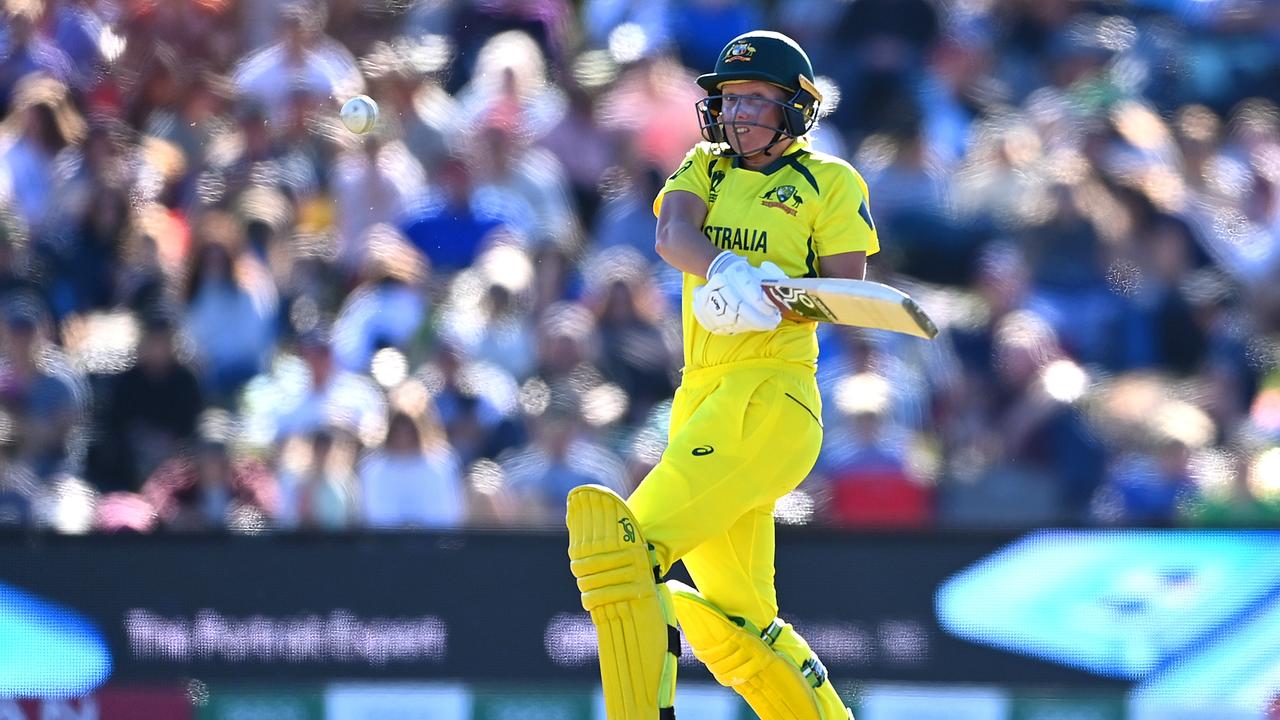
x: 234, y: 333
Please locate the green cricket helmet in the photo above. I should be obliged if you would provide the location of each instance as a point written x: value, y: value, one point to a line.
x: 769, y: 57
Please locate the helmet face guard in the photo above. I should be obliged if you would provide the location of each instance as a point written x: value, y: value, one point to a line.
x: 799, y: 114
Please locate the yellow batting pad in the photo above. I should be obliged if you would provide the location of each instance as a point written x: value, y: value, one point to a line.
x: 774, y: 687
x: 634, y: 619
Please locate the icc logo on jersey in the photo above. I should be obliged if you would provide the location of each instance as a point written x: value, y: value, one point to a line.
x: 783, y: 197
x: 717, y: 177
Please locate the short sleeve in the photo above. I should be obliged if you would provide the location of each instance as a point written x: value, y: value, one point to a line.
x: 844, y: 221
x: 692, y: 176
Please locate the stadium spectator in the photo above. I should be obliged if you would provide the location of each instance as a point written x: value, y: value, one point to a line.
x: 152, y: 411
x: 626, y: 216
x: 389, y: 305
x: 320, y: 492
x: 1150, y: 488
x: 560, y: 457
x: 41, y: 138
x: 330, y: 395
x: 510, y: 83
x: 78, y: 28
x: 42, y: 392
x: 84, y: 260
x: 210, y: 489
x: 636, y: 351
x: 507, y: 341
x: 414, y: 479
x: 19, y: 489
x: 556, y: 278
x: 568, y: 348
x: 479, y: 424
x: 523, y: 183
x: 372, y: 183
x: 406, y: 80
x: 584, y: 148
x: 890, y: 40
x: 665, y: 89
x: 28, y: 51
x: 226, y: 288
x: 865, y: 462
x: 303, y: 60
x: 448, y: 223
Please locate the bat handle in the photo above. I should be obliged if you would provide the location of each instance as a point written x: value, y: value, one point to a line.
x: 778, y: 302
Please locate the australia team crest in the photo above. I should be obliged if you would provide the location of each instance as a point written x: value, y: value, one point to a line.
x: 739, y: 52
x: 783, y: 197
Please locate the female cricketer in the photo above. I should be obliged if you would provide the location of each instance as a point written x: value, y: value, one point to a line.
x: 753, y: 202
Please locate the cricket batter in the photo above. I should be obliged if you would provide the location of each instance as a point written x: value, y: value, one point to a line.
x: 753, y: 202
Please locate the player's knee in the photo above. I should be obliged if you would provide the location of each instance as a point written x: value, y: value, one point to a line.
x: 728, y: 645
x: 611, y: 577
x: 744, y: 656
x: 607, y: 551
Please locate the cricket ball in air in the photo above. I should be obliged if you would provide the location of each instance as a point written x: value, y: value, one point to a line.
x: 359, y: 114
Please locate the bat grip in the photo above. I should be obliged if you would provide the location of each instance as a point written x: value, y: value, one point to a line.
x: 783, y: 307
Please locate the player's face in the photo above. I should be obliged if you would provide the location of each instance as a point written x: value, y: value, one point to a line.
x: 751, y: 114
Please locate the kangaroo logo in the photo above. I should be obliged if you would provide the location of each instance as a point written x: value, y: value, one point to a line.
x: 783, y: 197
x: 628, y: 530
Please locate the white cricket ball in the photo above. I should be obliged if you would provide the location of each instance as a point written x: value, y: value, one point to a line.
x: 359, y: 114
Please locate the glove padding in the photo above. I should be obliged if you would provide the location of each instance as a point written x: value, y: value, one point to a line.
x: 732, y: 301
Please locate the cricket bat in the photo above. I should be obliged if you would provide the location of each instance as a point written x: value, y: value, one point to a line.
x: 851, y: 302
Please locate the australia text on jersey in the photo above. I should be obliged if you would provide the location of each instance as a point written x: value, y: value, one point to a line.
x: 736, y: 238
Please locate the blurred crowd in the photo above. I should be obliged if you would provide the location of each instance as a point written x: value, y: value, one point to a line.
x: 222, y: 310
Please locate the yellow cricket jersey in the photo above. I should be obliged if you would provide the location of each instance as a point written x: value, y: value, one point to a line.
x: 802, y: 206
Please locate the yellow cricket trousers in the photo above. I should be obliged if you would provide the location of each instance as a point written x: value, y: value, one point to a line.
x: 742, y: 436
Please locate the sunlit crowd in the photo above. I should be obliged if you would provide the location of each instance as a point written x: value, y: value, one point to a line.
x: 224, y: 311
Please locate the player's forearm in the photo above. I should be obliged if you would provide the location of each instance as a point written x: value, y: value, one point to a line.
x: 685, y: 248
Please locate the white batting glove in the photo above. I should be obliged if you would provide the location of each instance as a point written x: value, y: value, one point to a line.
x: 732, y: 301
x: 769, y: 271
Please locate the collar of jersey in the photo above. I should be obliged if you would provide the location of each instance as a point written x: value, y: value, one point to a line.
x: 798, y: 145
